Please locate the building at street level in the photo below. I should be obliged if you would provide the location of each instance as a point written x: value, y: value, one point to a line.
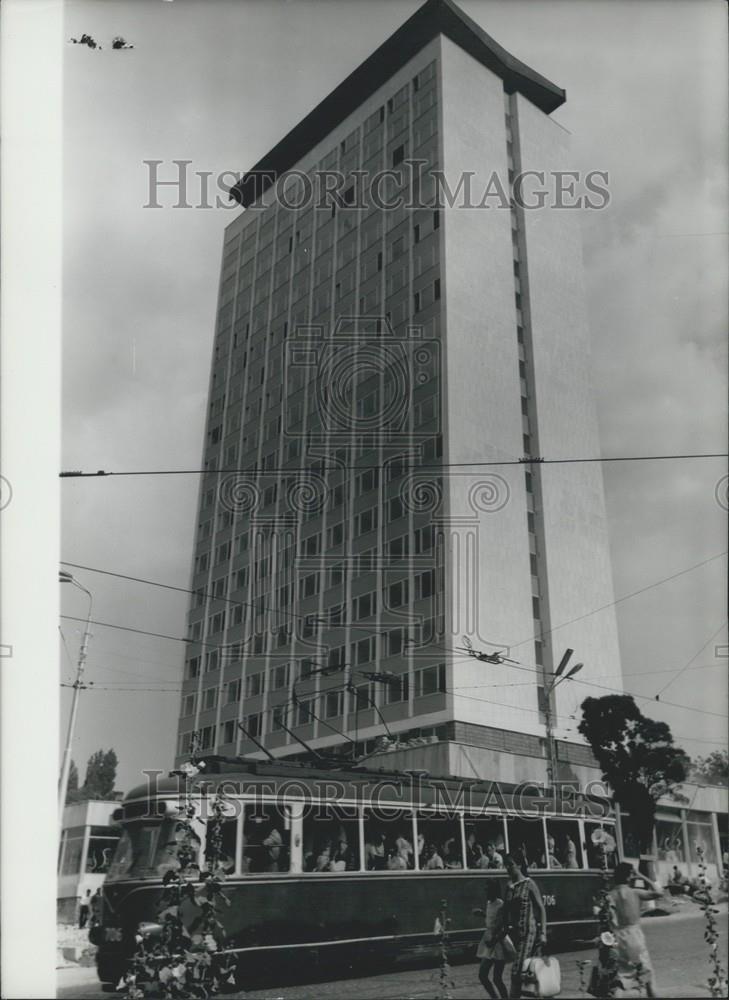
x: 398, y: 341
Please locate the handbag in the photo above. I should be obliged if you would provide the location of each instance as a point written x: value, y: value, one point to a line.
x: 541, y: 977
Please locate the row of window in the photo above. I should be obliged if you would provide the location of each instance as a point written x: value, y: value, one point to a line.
x: 426, y: 681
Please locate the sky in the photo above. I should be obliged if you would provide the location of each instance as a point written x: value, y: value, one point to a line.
x: 218, y: 83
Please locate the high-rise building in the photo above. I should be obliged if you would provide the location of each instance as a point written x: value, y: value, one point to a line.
x: 398, y: 341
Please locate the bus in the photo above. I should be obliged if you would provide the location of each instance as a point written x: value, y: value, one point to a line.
x: 342, y: 865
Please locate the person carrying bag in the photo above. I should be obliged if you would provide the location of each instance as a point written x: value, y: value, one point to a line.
x: 526, y: 924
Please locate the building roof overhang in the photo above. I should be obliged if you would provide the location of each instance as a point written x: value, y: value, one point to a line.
x: 435, y: 17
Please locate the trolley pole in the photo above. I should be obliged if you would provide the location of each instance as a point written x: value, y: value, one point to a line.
x: 77, y: 689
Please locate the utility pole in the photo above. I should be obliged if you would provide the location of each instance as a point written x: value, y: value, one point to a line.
x: 78, y: 687
x: 557, y: 679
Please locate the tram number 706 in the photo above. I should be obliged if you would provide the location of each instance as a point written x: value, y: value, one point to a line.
x: 549, y: 899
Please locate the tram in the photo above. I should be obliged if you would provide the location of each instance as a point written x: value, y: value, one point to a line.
x: 337, y: 866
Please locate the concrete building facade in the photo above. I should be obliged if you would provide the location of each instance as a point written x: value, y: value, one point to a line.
x: 391, y: 359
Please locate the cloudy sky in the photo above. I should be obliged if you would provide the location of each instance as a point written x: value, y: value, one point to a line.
x: 218, y: 83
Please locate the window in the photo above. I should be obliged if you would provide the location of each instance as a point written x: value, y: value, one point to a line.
x: 394, y: 509
x: 330, y: 840
x: 207, y: 737
x: 188, y: 705
x: 416, y: 302
x: 229, y: 728
x: 280, y: 677
x: 398, y: 155
x: 278, y: 716
x: 436, y: 219
x: 364, y: 606
x: 564, y: 849
x: 212, y: 660
x: 388, y: 842
x: 333, y: 704
x: 233, y: 691
x: 430, y: 680
x: 335, y: 535
x: 337, y: 656
x: 210, y: 699
x: 424, y: 539
x: 425, y: 584
x: 485, y: 845
x: 397, y: 594
x: 309, y: 586
x: 336, y: 575
x: 193, y: 667
x: 364, y: 650
x: 252, y: 724
x: 399, y: 547
x: 254, y: 685
x: 397, y: 690
x: 365, y: 521
x: 440, y: 839
x: 367, y: 481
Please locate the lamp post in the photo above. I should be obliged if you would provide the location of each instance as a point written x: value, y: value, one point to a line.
x: 64, y: 577
x: 557, y: 679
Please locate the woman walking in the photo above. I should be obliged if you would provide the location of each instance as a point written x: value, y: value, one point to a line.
x: 525, y: 918
x: 494, y: 949
x: 632, y: 949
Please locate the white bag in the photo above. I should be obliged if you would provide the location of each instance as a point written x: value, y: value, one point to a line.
x: 541, y: 977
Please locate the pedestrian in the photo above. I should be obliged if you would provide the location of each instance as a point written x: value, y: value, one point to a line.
x: 83, y: 910
x: 625, y: 900
x: 495, y: 948
x: 525, y: 918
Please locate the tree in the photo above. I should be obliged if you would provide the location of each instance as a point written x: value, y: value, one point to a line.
x: 100, y: 775
x: 72, y: 787
x: 636, y: 755
x: 711, y: 770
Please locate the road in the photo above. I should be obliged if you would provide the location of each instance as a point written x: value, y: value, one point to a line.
x: 676, y: 943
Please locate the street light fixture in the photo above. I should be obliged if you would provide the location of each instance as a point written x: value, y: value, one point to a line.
x: 64, y: 577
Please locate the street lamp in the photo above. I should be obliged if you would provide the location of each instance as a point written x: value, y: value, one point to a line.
x: 64, y: 577
x: 557, y: 679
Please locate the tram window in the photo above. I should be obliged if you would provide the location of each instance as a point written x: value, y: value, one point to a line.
x: 330, y: 841
x: 266, y: 840
x: 526, y: 837
x: 102, y: 843
x: 439, y: 841
x: 174, y: 839
x: 485, y: 847
x: 563, y: 844
x: 389, y: 842
x: 227, y: 845
x: 598, y: 853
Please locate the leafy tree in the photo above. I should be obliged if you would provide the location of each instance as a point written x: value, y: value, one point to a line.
x: 72, y: 787
x: 636, y: 755
x: 100, y: 775
x: 712, y: 770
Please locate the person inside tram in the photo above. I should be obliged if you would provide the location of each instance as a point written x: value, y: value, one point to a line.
x: 452, y: 854
x: 431, y: 860
x: 569, y: 852
x: 273, y: 844
x: 375, y: 855
x: 343, y: 857
x: 495, y: 860
x: 323, y: 857
x: 551, y: 856
x: 478, y: 858
x: 396, y: 862
x: 404, y: 848
x: 474, y: 851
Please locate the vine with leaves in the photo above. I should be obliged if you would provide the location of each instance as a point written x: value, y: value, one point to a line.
x: 718, y: 986
x: 445, y: 976
x: 184, y: 960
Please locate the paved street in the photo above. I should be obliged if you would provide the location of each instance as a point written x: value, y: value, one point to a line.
x: 676, y: 945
